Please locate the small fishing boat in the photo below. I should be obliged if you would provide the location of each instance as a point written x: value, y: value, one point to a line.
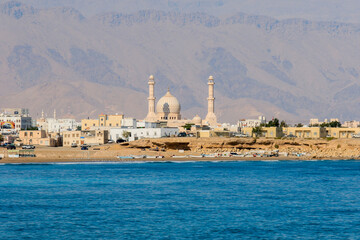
x: 125, y: 157
x: 138, y: 156
x: 196, y: 156
x: 179, y: 156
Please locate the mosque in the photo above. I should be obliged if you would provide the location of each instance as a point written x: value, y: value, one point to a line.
x: 168, y: 108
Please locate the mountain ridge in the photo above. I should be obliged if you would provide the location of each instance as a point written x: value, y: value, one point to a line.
x: 301, y: 68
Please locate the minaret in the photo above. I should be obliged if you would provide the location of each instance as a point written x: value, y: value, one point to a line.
x: 211, y: 117
x: 151, y: 116
x: 54, y: 113
x: 42, y: 114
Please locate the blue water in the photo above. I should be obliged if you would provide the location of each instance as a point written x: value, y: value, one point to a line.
x: 196, y: 200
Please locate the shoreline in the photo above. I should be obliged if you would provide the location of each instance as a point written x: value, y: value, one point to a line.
x: 163, y: 160
x: 189, y: 149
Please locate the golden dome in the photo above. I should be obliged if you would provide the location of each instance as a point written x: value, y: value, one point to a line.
x: 168, y: 104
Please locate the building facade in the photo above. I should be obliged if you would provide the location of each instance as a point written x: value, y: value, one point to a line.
x: 140, y: 133
x: 40, y: 137
x: 305, y: 132
x: 89, y: 137
x: 103, y: 121
x: 12, y: 124
x: 252, y: 122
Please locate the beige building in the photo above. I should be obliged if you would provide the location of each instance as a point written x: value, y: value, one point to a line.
x: 342, y: 132
x: 268, y: 132
x: 305, y: 132
x: 40, y: 137
x: 103, y: 121
x: 212, y: 133
x: 168, y: 108
x: 89, y: 137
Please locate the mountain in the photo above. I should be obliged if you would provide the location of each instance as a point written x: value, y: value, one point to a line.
x: 293, y: 69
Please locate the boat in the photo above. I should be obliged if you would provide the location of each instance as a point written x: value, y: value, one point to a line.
x: 138, y: 156
x: 196, y: 156
x: 125, y: 157
x: 179, y: 156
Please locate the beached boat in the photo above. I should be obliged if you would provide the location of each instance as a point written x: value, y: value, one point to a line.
x: 196, y: 156
x: 179, y: 156
x: 138, y: 156
x: 125, y: 157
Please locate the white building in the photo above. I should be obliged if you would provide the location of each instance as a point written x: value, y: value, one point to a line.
x: 60, y: 125
x: 128, y: 123
x: 315, y: 121
x: 351, y: 124
x: 12, y: 120
x: 139, y: 133
x: 252, y: 122
x: 145, y: 124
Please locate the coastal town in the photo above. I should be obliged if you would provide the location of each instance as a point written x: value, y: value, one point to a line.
x: 165, y: 133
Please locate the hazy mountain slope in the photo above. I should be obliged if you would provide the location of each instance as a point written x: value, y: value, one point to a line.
x: 293, y: 69
x: 317, y: 10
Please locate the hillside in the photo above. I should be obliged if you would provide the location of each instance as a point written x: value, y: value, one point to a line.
x: 293, y: 69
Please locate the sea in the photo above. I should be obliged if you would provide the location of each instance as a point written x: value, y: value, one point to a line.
x: 181, y: 200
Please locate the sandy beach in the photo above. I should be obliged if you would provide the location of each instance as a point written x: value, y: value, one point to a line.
x: 188, y: 149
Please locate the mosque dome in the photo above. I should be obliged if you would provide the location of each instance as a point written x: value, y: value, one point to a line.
x: 197, y: 120
x: 168, y: 104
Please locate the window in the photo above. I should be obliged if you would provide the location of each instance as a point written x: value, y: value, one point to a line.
x: 25, y: 134
x: 117, y: 124
x: 102, y: 124
x: 31, y: 134
x: 85, y: 124
x: 315, y: 133
x: 110, y: 124
x: 93, y: 124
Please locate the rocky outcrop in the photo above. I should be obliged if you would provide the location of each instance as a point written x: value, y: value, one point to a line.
x: 341, y: 148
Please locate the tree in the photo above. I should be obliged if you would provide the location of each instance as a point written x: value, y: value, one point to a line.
x: 299, y: 125
x: 283, y: 124
x: 1, y: 138
x: 333, y: 124
x: 78, y: 128
x: 272, y: 123
x: 188, y: 126
x: 257, y: 131
x: 126, y: 134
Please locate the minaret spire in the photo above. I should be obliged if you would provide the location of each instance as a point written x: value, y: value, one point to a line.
x: 211, y: 117
x: 54, y: 113
x: 151, y: 116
